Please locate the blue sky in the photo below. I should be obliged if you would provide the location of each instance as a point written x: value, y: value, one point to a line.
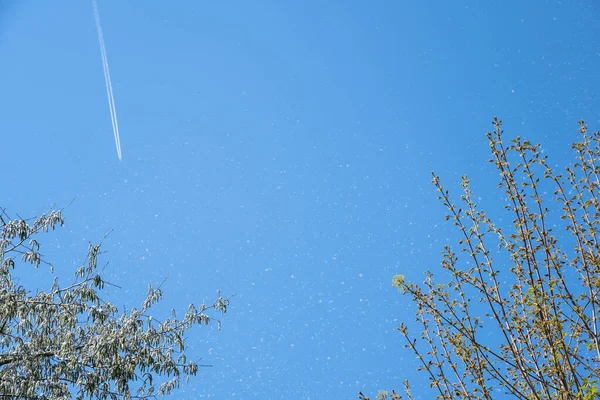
x: 280, y: 151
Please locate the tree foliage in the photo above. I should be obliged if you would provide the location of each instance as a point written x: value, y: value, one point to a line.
x: 68, y: 343
x: 537, y: 337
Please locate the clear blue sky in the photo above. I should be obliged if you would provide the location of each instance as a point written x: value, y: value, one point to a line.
x: 280, y: 151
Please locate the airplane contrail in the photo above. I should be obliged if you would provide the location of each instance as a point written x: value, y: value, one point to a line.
x: 109, y: 90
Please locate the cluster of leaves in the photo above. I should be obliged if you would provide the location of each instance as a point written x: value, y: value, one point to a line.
x: 385, y: 395
x: 68, y: 343
x: 540, y: 338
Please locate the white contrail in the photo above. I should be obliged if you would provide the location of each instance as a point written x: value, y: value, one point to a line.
x: 109, y: 91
